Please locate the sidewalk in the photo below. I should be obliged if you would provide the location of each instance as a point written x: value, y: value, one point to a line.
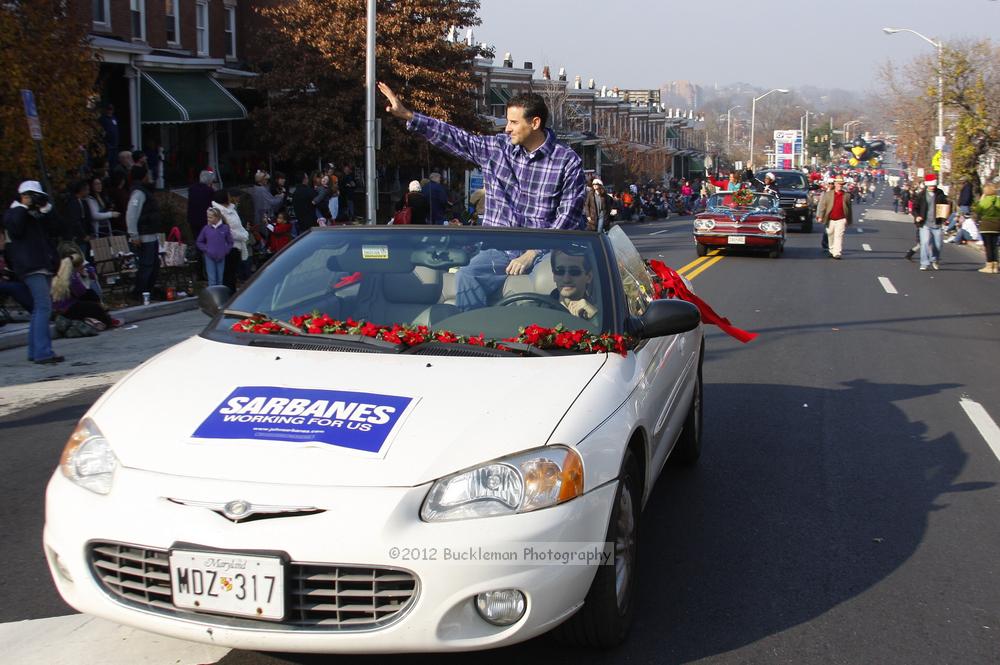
x: 93, y: 362
x: 16, y: 334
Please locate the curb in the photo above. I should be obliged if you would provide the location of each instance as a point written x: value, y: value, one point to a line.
x: 15, y: 338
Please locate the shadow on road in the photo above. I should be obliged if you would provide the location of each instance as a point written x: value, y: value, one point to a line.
x: 788, y: 515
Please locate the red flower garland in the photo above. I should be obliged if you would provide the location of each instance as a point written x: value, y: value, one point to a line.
x: 581, y: 341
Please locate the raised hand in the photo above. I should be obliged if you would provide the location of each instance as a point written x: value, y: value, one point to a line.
x: 395, y: 107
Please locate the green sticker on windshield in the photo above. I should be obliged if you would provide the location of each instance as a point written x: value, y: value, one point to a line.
x: 375, y: 252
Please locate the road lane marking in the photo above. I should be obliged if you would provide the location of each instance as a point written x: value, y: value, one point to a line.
x: 865, y: 246
x: 887, y: 285
x: 703, y: 267
x: 986, y: 425
x: 656, y: 233
x: 861, y: 230
x: 697, y: 262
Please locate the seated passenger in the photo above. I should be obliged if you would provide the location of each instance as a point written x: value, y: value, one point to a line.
x: 573, y: 277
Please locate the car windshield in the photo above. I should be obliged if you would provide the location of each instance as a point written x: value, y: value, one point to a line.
x: 785, y: 180
x: 725, y: 200
x: 445, y: 278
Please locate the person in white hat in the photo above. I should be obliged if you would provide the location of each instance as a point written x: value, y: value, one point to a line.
x: 926, y: 217
x: 33, y: 258
x: 597, y: 207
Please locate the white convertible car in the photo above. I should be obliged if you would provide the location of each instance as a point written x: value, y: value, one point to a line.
x: 385, y: 442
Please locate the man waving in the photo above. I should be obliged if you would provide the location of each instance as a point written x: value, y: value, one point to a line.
x: 531, y: 181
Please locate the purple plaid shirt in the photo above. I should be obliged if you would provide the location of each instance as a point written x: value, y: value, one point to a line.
x: 540, y: 189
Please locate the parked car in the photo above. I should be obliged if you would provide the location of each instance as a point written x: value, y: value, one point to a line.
x: 757, y: 223
x: 345, y: 461
x: 793, y: 187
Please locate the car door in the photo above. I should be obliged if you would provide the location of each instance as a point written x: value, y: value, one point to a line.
x: 664, y: 365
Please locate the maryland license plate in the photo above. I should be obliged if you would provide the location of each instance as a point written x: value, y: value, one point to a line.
x: 737, y: 240
x: 235, y: 584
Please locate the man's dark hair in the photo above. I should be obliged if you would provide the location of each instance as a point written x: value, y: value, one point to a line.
x: 221, y: 197
x: 79, y: 186
x: 138, y: 173
x: 533, y: 106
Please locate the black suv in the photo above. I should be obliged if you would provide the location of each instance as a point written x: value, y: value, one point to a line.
x: 794, y: 189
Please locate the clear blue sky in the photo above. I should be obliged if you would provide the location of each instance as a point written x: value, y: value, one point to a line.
x: 769, y: 43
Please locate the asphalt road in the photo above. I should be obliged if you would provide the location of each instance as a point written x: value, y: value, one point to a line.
x: 846, y: 505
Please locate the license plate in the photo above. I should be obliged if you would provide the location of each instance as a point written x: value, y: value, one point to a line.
x: 234, y: 584
x: 737, y: 240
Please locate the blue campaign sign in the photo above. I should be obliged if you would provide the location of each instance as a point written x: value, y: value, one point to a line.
x: 30, y: 109
x: 359, y: 421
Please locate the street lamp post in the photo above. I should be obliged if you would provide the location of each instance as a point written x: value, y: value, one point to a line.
x: 729, y: 140
x: 753, y: 115
x: 371, y: 179
x: 939, y: 45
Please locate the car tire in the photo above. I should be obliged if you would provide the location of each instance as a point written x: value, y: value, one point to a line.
x: 702, y: 250
x: 774, y: 252
x: 606, y: 616
x: 687, y: 450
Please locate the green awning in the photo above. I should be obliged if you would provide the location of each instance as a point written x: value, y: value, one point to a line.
x: 500, y: 96
x: 178, y: 97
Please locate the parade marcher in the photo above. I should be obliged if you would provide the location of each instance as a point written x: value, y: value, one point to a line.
x: 597, y: 208
x: 925, y: 216
x: 987, y: 212
x: 199, y: 200
x: 834, y: 211
x: 531, y: 181
x: 31, y: 228
x: 143, y: 221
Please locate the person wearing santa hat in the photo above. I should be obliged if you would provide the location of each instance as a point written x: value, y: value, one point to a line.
x: 925, y: 216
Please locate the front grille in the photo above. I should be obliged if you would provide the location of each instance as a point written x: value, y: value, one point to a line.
x: 320, y: 597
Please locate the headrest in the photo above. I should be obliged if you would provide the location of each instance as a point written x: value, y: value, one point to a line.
x: 420, y: 287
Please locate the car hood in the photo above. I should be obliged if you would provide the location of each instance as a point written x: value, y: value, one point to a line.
x: 206, y: 409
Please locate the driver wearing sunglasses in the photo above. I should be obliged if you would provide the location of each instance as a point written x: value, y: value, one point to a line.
x: 573, y: 277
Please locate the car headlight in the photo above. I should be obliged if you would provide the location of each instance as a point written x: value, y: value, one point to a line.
x: 527, y: 481
x: 801, y: 203
x: 770, y: 227
x: 88, y: 460
x: 704, y: 224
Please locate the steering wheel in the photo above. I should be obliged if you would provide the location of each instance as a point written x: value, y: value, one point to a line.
x: 540, y: 300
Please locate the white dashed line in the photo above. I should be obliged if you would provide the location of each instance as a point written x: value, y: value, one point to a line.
x: 986, y: 426
x: 865, y: 246
x: 861, y: 230
x: 656, y: 233
x: 887, y: 285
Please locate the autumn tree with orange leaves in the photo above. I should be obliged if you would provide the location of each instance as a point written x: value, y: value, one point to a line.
x: 311, y: 59
x: 44, y: 49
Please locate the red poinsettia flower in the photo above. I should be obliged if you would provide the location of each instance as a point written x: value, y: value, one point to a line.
x: 370, y: 329
x: 392, y: 336
x: 477, y: 340
x: 565, y: 340
x: 446, y: 336
x: 314, y: 330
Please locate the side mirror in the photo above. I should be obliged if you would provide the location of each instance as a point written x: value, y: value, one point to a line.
x: 212, y: 299
x: 665, y: 317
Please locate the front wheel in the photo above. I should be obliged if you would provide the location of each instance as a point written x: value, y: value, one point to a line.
x: 606, y: 616
x: 702, y: 250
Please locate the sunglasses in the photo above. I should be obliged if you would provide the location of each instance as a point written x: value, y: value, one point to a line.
x: 573, y: 271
